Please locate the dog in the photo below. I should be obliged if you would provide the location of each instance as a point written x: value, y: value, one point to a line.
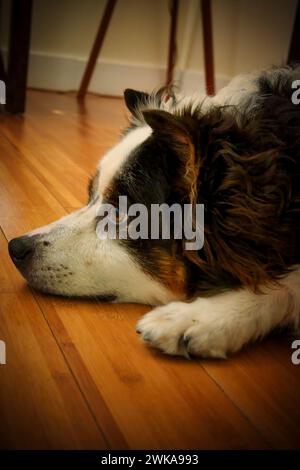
x: 238, y: 154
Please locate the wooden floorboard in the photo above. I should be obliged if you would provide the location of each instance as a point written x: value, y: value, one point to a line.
x: 40, y: 403
x: 77, y: 375
x: 264, y: 390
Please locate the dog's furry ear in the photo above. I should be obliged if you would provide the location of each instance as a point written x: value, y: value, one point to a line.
x: 133, y: 99
x: 167, y: 125
x: 178, y: 133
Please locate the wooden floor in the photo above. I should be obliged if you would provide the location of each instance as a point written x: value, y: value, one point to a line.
x: 77, y: 375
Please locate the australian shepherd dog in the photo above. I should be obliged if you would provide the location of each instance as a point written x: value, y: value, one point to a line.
x: 238, y: 155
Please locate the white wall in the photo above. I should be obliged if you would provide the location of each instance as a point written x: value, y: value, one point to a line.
x: 263, y: 33
x: 248, y: 34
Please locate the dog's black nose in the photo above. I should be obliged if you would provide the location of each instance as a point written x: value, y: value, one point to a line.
x: 21, y: 249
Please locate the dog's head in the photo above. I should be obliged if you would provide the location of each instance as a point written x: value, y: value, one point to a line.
x: 152, y: 164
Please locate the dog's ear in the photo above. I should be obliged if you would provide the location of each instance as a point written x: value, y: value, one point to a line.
x: 177, y: 132
x: 168, y: 125
x: 134, y: 98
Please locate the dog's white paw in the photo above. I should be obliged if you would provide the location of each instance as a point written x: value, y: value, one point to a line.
x: 181, y: 329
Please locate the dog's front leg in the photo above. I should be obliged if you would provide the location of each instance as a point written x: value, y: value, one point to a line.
x: 216, y: 326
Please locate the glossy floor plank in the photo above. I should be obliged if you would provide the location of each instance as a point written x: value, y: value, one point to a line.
x: 41, y: 405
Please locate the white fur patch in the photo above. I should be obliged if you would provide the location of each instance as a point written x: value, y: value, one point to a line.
x: 216, y: 326
x: 67, y: 219
x: 113, y: 160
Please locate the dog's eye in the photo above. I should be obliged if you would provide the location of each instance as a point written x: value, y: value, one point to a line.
x: 120, y: 216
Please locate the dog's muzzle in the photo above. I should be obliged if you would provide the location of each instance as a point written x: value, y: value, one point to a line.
x: 21, y: 250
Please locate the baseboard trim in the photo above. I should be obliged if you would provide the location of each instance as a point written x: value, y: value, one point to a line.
x: 63, y: 73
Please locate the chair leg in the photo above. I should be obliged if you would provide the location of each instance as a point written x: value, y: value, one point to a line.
x: 2, y: 69
x: 208, y: 46
x: 18, y: 55
x: 105, y: 21
x: 172, y: 42
x: 294, y: 52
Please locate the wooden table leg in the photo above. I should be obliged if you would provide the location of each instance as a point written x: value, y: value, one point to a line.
x: 172, y: 42
x: 208, y: 46
x: 105, y: 21
x: 2, y: 69
x: 18, y: 54
x: 294, y: 52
